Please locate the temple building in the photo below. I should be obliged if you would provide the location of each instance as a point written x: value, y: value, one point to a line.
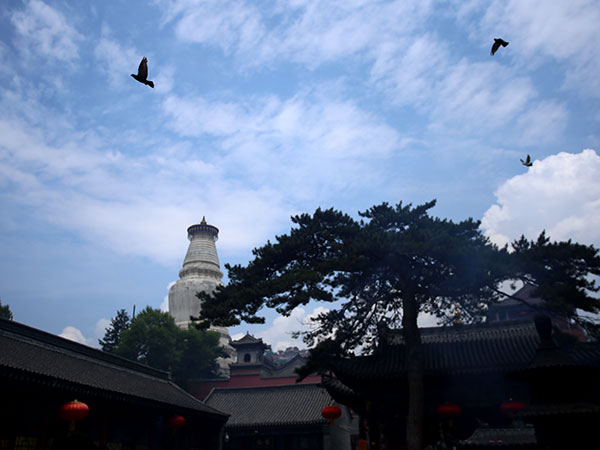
x: 126, y: 405
x: 201, y: 272
x: 502, y: 383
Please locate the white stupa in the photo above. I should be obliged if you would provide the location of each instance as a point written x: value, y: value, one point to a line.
x: 200, y: 272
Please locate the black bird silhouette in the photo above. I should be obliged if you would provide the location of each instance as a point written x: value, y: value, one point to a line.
x: 497, y: 43
x: 142, y: 74
x: 527, y: 161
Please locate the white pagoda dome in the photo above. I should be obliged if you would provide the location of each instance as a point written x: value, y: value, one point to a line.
x: 201, y: 272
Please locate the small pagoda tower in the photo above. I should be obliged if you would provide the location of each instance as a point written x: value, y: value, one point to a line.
x: 200, y: 272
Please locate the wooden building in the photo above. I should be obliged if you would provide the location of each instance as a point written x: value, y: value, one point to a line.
x: 252, y: 369
x: 285, y: 417
x: 473, y: 370
x: 130, y: 405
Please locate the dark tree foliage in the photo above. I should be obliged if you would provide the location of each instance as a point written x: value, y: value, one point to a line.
x: 384, y: 269
x: 5, y: 312
x: 198, y: 350
x: 565, y: 274
x: 154, y: 339
x: 150, y: 339
x: 372, y: 265
x: 113, y: 333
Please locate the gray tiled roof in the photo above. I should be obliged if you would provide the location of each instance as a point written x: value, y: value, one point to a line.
x: 287, y: 369
x: 290, y: 405
x: 40, y: 357
x: 503, y: 347
x: 248, y: 339
x: 490, y: 436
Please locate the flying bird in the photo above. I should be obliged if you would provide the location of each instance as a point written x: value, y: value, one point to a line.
x: 142, y: 74
x: 497, y: 43
x: 527, y: 161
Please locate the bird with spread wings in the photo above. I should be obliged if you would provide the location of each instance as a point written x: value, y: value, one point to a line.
x: 142, y: 75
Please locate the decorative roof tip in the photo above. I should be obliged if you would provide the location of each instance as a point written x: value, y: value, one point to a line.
x: 203, y: 220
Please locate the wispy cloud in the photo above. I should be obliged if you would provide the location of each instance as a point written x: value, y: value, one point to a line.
x: 563, y: 32
x: 310, y: 33
x: 116, y: 61
x: 409, y: 64
x: 45, y: 31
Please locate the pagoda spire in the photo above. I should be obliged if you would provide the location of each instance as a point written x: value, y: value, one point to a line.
x: 201, y: 259
x: 201, y: 272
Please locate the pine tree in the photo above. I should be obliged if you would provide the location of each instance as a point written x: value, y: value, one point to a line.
x: 5, y: 312
x: 113, y: 334
x: 565, y: 274
x: 384, y: 269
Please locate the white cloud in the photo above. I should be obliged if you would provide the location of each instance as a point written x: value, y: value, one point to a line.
x: 82, y: 187
x: 563, y: 31
x: 46, y: 31
x: 237, y: 336
x: 117, y: 61
x: 559, y: 194
x: 269, y: 139
x: 74, y: 334
x: 410, y: 63
x: 164, y: 306
x: 543, y: 123
x: 101, y: 326
x: 308, y: 32
x: 482, y: 96
x: 279, y: 335
x: 223, y: 24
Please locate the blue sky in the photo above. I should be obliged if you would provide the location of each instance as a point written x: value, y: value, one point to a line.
x: 265, y: 109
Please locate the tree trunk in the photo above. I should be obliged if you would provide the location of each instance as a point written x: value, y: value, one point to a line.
x: 416, y: 388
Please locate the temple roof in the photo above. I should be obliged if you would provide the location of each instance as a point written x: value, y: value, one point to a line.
x: 522, y: 296
x: 248, y: 339
x: 484, y: 436
x: 500, y: 347
x: 43, y: 358
x: 288, y: 405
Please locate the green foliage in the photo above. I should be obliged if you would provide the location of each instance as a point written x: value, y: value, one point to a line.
x: 565, y: 274
x: 319, y: 358
x: 5, y: 312
x: 198, y: 350
x: 385, y: 269
x: 155, y: 340
x: 112, y: 336
x: 150, y: 339
x: 374, y: 266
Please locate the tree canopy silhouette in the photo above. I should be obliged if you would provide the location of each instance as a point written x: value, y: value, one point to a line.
x: 112, y: 335
x: 386, y: 268
x: 154, y: 339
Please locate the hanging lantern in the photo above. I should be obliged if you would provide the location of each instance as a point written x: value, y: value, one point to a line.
x: 449, y: 410
x: 511, y: 407
x: 74, y: 411
x: 176, y: 422
x: 331, y: 413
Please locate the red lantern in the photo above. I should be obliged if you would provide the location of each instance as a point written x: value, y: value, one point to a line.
x: 176, y: 422
x: 511, y: 407
x: 449, y: 410
x: 74, y: 411
x: 331, y: 412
